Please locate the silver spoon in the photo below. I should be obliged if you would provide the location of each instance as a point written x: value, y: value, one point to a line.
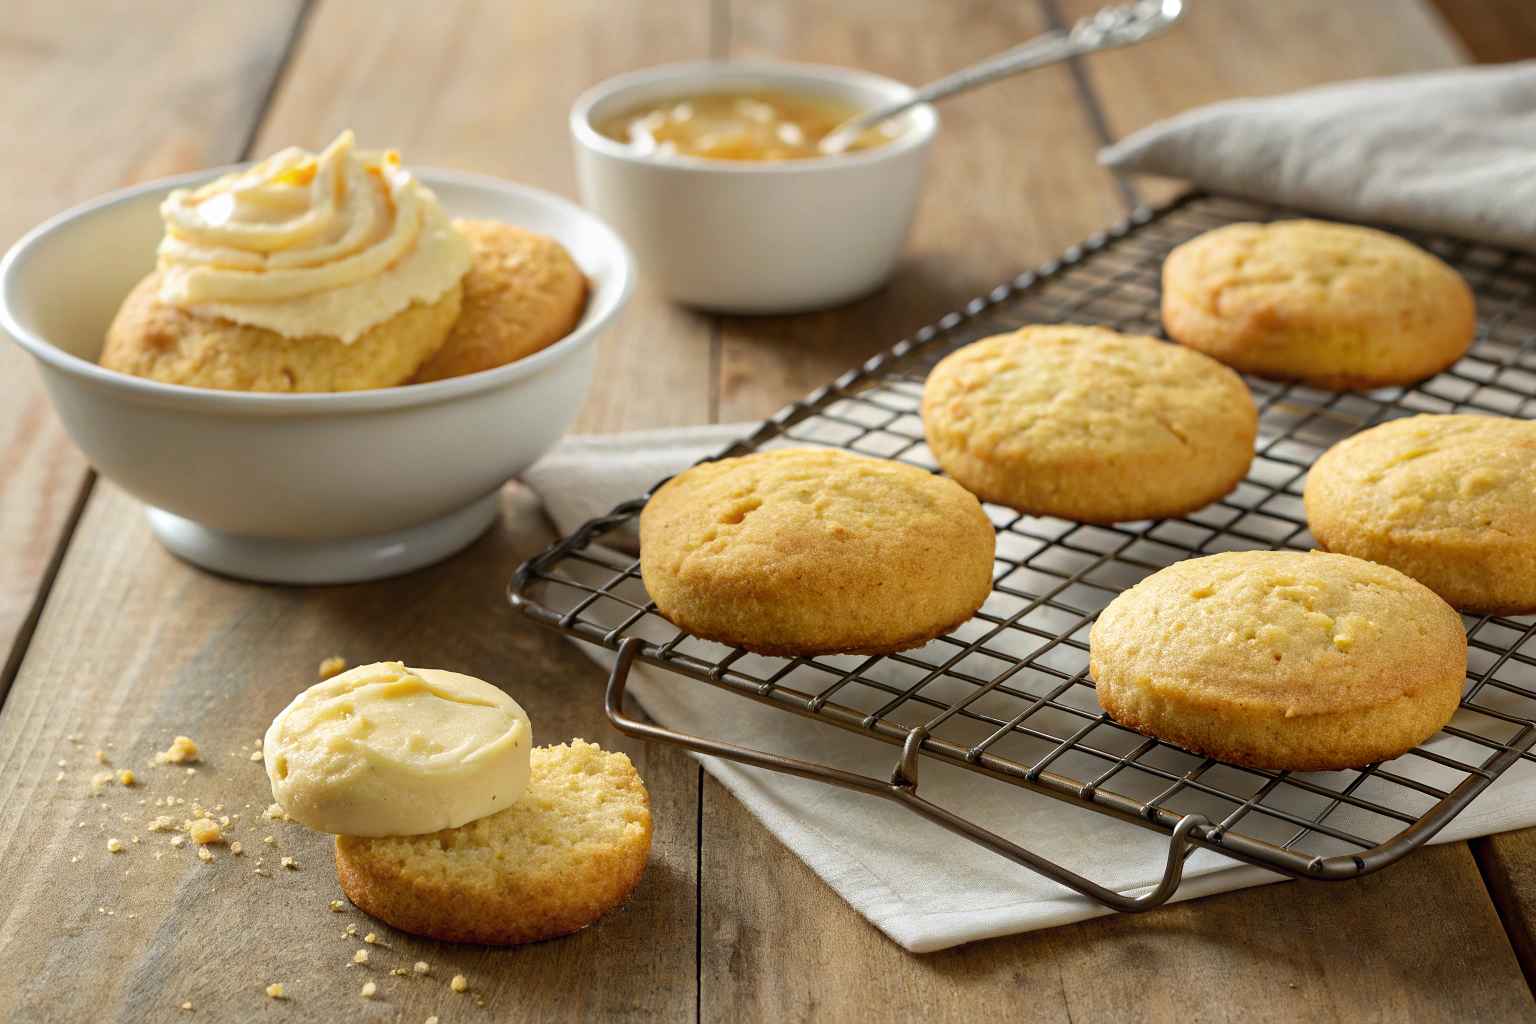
x: 1121, y: 25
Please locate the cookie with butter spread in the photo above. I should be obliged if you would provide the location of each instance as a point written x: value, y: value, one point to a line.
x: 385, y: 750
x: 334, y: 271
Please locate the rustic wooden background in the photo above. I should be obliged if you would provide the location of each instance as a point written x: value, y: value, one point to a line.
x: 111, y: 644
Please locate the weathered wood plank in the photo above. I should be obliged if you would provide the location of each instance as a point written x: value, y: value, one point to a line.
x: 96, y: 99
x: 1251, y: 48
x: 1412, y: 943
x: 1508, y: 861
x: 175, y: 651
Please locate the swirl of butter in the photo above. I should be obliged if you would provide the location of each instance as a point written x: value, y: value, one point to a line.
x: 385, y: 750
x: 309, y: 244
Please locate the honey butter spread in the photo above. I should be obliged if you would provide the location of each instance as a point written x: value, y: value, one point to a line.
x: 385, y: 750
x: 305, y: 244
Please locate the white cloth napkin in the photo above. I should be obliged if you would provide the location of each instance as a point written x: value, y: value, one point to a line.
x: 1451, y: 151
x: 922, y: 886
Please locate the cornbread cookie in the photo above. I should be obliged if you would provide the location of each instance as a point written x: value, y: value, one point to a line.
x: 1281, y: 659
x: 572, y: 849
x: 815, y: 551
x: 1449, y: 500
x: 1088, y: 424
x: 523, y: 292
x: 1331, y: 305
x: 154, y: 339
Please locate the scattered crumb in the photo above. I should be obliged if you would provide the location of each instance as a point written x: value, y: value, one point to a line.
x: 191, y: 771
x: 459, y: 983
x: 360, y: 957
x: 205, y: 855
x: 333, y: 665
x: 75, y: 859
x: 369, y: 988
x: 126, y: 777
x: 371, y: 938
x: 337, y: 906
x: 236, y: 848
x: 59, y: 777
x: 204, y: 831
x: 63, y: 764
x: 421, y: 967
x: 187, y: 1006
x: 134, y: 840
x: 101, y: 757
x: 178, y: 841
x: 181, y: 751
x: 268, y: 840
x: 162, y: 824
x: 290, y: 864
x: 351, y: 929
x: 276, y: 991
x: 114, y: 846
x: 398, y: 972
x: 432, y: 1019
x: 255, y: 755
x: 275, y: 812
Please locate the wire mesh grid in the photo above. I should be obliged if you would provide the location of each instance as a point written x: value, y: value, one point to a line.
x: 1008, y: 693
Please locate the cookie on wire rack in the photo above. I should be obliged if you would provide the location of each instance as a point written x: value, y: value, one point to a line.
x: 1281, y: 659
x: 1089, y: 424
x: 803, y: 551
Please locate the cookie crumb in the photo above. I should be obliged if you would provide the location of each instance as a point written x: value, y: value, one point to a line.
x: 181, y: 751
x: 235, y: 848
x: 126, y: 777
x: 337, y: 906
x: 114, y: 846
x: 162, y: 824
x: 204, y: 831
x: 290, y: 863
x: 205, y: 855
x: 275, y: 812
x: 369, y: 988
x: 360, y: 957
x: 371, y: 938
x: 100, y: 781
x: 178, y: 841
x: 268, y: 840
x: 334, y: 665
x: 432, y: 1019
x: 255, y: 755
x: 398, y: 972
x: 276, y: 991
x: 187, y: 1006
x: 351, y: 929
x: 459, y: 983
x: 421, y: 967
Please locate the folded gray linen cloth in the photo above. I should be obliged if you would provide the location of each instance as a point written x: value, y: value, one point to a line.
x: 1448, y: 151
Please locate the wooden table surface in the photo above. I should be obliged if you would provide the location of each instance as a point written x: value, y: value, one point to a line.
x: 111, y: 644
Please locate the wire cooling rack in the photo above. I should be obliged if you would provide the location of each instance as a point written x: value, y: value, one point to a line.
x: 1008, y: 694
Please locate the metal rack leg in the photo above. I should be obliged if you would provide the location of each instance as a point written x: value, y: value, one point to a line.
x: 902, y: 788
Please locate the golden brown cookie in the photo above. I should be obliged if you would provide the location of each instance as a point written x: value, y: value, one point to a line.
x: 1332, y: 305
x: 815, y: 551
x: 1281, y: 659
x: 523, y: 293
x: 1085, y: 423
x: 153, y: 339
x: 572, y: 849
x: 1449, y: 500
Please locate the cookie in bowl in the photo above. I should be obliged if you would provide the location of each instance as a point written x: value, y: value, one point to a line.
x: 336, y: 271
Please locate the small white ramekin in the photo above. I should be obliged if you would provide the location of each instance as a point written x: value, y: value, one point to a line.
x: 301, y: 488
x: 743, y: 237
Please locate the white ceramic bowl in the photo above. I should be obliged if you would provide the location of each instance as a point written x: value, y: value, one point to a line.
x: 743, y: 237
x: 301, y: 488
